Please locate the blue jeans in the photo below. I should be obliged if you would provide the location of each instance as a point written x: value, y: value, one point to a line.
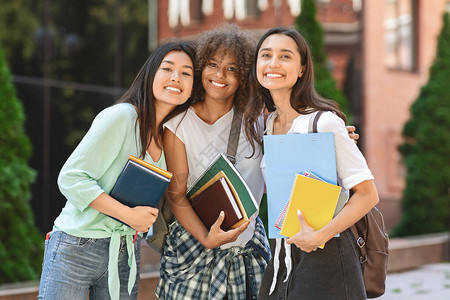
x: 74, y: 266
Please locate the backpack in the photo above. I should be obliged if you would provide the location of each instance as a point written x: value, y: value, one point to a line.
x: 157, y: 236
x: 373, y: 243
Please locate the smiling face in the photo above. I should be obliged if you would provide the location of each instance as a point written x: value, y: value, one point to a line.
x: 219, y: 77
x: 173, y: 80
x: 278, y: 65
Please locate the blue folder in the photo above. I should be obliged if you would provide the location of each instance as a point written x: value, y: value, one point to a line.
x: 290, y: 154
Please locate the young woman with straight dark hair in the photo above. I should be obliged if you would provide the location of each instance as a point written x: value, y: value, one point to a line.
x: 89, y: 252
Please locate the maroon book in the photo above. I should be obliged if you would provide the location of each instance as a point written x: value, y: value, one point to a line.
x: 215, y: 198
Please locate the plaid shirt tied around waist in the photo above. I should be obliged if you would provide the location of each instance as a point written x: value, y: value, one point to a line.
x: 191, y: 271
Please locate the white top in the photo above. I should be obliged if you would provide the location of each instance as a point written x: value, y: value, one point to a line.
x: 204, y: 142
x: 351, y: 165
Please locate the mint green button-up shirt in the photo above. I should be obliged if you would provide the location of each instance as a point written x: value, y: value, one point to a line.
x: 92, y: 169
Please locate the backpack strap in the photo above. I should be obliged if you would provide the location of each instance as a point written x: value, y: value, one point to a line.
x: 233, y: 139
x: 312, y: 128
x: 360, y: 240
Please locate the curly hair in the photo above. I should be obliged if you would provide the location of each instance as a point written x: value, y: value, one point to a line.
x: 229, y: 39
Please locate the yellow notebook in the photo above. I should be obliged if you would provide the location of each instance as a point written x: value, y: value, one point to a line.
x: 315, y: 198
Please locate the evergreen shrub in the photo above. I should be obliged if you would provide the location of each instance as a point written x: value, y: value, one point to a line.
x: 20, y: 241
x: 426, y: 198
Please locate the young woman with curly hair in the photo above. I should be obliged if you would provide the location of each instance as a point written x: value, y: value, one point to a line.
x: 197, y: 263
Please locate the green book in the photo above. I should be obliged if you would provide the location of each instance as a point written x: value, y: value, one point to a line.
x: 222, y: 163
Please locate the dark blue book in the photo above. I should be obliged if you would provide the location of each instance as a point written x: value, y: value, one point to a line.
x: 140, y: 183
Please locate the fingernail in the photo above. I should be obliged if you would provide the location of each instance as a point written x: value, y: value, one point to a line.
x: 221, y: 213
x: 299, y: 212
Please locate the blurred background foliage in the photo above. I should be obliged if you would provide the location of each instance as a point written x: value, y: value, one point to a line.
x: 77, y: 56
x: 308, y: 25
x: 21, y: 243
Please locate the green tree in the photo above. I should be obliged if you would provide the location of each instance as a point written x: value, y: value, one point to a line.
x: 21, y: 244
x: 97, y: 43
x: 312, y: 30
x: 90, y: 38
x: 426, y: 198
x: 17, y: 26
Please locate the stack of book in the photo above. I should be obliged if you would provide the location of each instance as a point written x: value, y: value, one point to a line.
x: 289, y: 188
x: 315, y: 198
x: 222, y: 188
x: 342, y: 199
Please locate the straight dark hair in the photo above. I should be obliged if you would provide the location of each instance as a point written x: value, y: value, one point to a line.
x: 303, y: 95
x: 140, y: 94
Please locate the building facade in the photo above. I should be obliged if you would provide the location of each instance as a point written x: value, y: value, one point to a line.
x: 400, y: 40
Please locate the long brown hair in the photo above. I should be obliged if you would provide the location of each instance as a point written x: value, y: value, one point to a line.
x: 140, y: 94
x: 303, y: 95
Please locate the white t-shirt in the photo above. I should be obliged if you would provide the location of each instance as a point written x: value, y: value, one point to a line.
x: 351, y: 165
x: 204, y: 142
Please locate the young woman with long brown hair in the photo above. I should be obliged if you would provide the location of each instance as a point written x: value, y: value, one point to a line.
x: 283, y: 81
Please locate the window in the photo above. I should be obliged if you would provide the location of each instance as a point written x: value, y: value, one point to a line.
x: 252, y: 8
x: 196, y: 11
x: 240, y: 9
x: 400, y: 34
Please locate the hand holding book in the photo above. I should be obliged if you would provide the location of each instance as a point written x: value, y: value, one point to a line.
x: 140, y: 186
x: 223, y: 202
x: 140, y: 218
x: 216, y: 237
x: 315, y: 198
x: 304, y: 239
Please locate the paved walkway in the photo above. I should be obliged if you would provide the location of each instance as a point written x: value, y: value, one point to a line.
x: 429, y: 282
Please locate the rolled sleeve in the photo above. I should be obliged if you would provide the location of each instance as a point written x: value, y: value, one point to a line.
x: 79, y: 187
